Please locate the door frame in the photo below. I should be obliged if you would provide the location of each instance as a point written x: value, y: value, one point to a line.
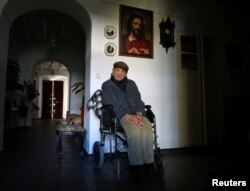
x: 66, y: 93
x: 187, y: 133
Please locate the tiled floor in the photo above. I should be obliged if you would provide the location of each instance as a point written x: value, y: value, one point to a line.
x: 29, y: 163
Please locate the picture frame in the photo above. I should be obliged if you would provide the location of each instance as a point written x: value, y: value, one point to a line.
x: 110, y: 32
x: 142, y: 43
x: 110, y: 49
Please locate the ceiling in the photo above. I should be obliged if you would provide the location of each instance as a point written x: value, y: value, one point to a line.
x: 48, y: 28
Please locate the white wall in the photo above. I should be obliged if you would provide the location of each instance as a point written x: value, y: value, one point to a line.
x: 156, y: 78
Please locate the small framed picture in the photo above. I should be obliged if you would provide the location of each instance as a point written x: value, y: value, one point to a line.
x: 110, y: 49
x: 109, y: 32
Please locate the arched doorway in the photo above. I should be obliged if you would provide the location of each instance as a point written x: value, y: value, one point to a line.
x: 55, y: 37
x: 52, y: 79
x: 8, y: 15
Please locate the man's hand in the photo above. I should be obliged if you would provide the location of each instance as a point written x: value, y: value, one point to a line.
x: 135, y: 118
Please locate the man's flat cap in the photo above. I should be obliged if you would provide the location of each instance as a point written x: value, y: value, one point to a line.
x: 121, y: 65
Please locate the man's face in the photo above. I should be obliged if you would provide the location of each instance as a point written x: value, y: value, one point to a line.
x: 119, y: 74
x: 136, y: 26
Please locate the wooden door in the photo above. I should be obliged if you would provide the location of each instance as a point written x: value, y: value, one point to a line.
x: 46, y: 99
x: 58, y: 99
x: 190, y: 91
x: 52, y: 102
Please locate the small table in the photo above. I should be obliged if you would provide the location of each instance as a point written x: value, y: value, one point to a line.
x: 66, y: 130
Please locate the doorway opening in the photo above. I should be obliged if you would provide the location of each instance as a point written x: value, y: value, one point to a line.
x: 53, y: 83
x: 52, y: 103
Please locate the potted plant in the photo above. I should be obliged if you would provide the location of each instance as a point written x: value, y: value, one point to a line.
x: 12, y: 80
x: 29, y: 93
x: 78, y: 87
x: 30, y: 90
x: 12, y: 86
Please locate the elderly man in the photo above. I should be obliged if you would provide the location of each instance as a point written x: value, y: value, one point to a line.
x: 125, y: 97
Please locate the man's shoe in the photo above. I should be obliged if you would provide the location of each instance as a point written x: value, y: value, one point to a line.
x: 152, y: 174
x: 137, y: 174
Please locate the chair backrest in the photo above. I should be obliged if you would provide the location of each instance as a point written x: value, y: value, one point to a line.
x: 95, y: 103
x: 149, y: 113
x: 108, y: 117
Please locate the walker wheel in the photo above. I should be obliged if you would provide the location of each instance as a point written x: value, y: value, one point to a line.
x: 98, y: 154
x: 159, y: 165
